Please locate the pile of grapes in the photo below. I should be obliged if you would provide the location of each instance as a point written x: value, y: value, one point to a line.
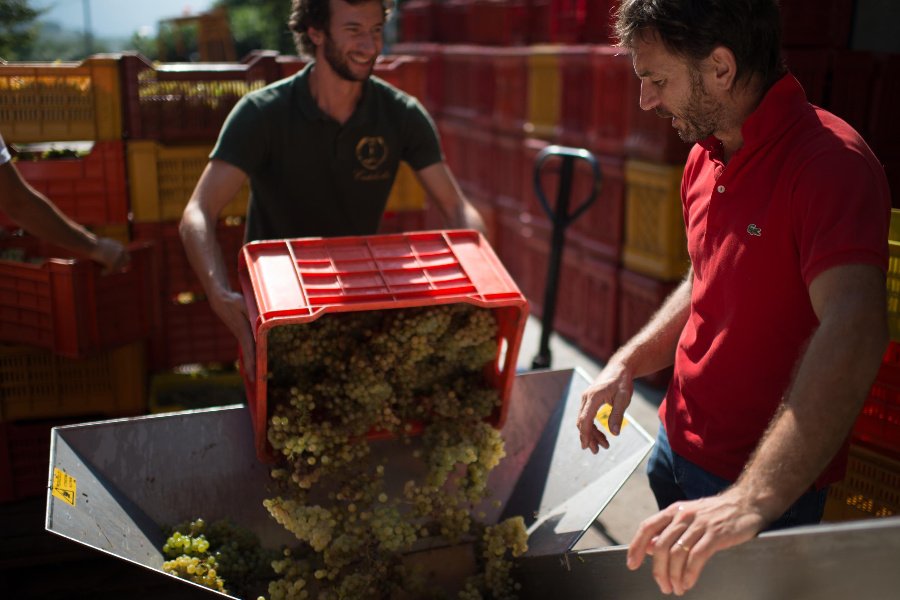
x: 410, y: 374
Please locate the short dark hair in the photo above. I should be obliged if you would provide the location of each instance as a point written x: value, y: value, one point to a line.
x: 751, y: 29
x: 317, y: 13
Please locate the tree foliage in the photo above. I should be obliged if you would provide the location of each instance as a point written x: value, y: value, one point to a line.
x: 18, y: 29
x: 260, y: 25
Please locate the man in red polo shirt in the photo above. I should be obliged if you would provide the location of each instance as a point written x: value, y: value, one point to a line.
x: 778, y: 330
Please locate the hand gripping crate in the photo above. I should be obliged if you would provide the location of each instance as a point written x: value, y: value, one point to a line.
x: 288, y: 282
x: 69, y: 306
x: 44, y: 102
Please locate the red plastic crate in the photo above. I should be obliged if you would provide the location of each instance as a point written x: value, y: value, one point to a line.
x: 567, y: 21
x: 510, y: 112
x: 68, y: 306
x: 90, y: 190
x: 434, y: 72
x: 452, y: 21
x: 402, y: 221
x: 599, y: 18
x: 511, y: 231
x: 539, y: 21
x: 639, y: 299
x: 297, y: 281
x: 462, y: 80
x: 576, y: 95
x: 417, y: 20
x: 499, y: 22
x: 506, y: 184
x: 598, y: 333
x: 187, y: 102
x: 653, y: 138
x: 614, y: 94
x: 812, y: 68
x: 25, y: 458
x: 177, y: 275
x: 191, y: 333
x: 884, y: 123
x: 600, y: 229
x: 879, y: 421
x: 816, y: 23
x: 854, y: 80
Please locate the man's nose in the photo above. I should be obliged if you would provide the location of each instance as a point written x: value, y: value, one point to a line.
x: 649, y: 98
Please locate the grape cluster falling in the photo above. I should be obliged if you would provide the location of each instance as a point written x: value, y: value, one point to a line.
x: 402, y: 373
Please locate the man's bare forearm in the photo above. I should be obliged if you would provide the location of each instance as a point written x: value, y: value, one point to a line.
x: 830, y: 385
x: 653, y: 347
x: 198, y: 234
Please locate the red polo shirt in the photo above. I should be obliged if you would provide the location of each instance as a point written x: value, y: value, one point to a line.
x: 802, y: 195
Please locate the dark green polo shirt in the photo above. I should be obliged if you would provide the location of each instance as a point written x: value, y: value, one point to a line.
x: 311, y: 176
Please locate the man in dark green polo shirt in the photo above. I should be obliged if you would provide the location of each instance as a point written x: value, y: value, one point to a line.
x: 320, y: 149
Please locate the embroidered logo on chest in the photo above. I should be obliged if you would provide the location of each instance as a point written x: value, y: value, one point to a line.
x: 371, y: 152
x: 752, y: 229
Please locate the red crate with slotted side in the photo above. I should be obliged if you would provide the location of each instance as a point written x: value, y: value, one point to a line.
x: 177, y: 275
x: 614, y: 95
x: 639, y: 299
x: 191, y: 333
x: 879, y: 421
x: 576, y: 95
x: 816, y: 23
x: 498, y: 22
x: 506, y: 184
x: 510, y: 71
x: 417, y: 20
x: 69, y: 306
x: 598, y: 334
x: 25, y: 457
x: 600, y: 229
x: 812, y: 68
x: 187, y: 102
x: 90, y: 190
x: 599, y: 21
x: 288, y: 282
x: 434, y: 72
x: 467, y: 82
x: 511, y: 235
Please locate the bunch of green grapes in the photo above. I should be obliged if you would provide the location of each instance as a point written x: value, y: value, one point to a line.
x: 221, y: 556
x: 334, y: 380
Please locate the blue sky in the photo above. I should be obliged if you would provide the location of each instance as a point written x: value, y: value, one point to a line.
x: 116, y: 18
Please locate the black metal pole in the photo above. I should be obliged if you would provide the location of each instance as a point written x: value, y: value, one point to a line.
x: 557, y: 244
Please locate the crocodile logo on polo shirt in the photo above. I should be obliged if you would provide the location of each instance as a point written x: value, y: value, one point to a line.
x: 752, y: 229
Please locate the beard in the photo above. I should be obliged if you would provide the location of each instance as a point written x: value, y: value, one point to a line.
x: 340, y: 64
x: 700, y: 116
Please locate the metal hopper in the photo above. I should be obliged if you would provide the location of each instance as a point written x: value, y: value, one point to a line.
x: 116, y: 483
x: 123, y: 479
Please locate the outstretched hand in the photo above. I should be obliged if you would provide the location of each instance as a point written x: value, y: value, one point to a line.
x: 684, y: 536
x: 111, y: 254
x: 614, y: 386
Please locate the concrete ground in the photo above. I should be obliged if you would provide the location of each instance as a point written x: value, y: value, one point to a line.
x: 634, y: 501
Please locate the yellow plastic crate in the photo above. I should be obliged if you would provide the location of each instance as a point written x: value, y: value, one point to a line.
x: 870, y: 489
x: 42, y: 102
x: 161, y: 179
x: 893, y: 278
x: 173, y: 391
x: 37, y: 384
x: 543, y: 91
x: 407, y: 193
x: 655, y: 241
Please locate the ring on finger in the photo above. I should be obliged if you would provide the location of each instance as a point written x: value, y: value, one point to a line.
x: 682, y: 545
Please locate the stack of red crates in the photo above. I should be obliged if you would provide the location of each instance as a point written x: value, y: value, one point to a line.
x: 71, y: 337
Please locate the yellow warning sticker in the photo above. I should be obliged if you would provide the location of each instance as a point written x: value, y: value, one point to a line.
x: 603, y: 417
x: 64, y: 486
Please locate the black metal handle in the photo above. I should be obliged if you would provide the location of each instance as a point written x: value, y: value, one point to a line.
x: 561, y: 215
x: 560, y: 218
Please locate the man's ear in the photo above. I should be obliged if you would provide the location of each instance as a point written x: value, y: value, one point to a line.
x: 723, y: 68
x: 316, y: 35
